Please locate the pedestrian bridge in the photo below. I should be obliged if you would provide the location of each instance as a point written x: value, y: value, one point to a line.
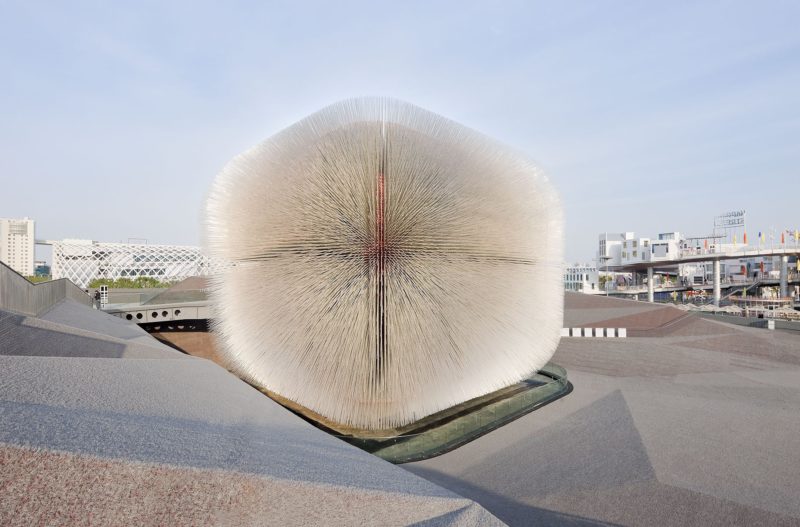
x: 715, y: 256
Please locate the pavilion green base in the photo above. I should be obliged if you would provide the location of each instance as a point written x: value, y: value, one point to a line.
x: 444, y: 431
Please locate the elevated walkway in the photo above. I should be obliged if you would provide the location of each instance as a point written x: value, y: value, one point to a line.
x: 704, y: 255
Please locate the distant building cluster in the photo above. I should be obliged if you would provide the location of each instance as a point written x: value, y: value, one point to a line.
x: 620, y: 249
x: 678, y: 261
x: 82, y: 261
x: 582, y: 278
x: 17, y: 244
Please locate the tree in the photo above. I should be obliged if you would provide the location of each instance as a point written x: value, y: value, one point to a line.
x: 38, y: 279
x: 140, y: 282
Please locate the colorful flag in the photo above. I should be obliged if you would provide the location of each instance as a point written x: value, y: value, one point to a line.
x: 745, y: 237
x: 782, y: 239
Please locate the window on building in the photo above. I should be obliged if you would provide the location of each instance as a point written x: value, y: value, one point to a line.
x: 635, y: 243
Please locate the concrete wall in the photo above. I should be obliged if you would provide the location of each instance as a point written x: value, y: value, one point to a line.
x: 130, y: 296
x: 174, y: 312
x: 19, y: 295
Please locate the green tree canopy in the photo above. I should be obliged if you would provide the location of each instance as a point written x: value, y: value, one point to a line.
x: 140, y: 282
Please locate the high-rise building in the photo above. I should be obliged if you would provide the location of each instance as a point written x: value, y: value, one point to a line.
x: 16, y: 244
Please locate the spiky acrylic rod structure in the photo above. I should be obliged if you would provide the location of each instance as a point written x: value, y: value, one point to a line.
x: 389, y: 264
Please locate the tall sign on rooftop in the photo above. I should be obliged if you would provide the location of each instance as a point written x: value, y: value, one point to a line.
x: 730, y: 221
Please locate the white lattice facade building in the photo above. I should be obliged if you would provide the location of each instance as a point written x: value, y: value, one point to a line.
x: 82, y: 261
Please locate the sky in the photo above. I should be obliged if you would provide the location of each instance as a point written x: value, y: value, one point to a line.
x: 650, y: 117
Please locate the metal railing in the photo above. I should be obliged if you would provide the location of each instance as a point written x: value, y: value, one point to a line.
x: 21, y: 296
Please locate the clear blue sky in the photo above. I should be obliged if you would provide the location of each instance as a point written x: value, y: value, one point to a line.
x: 648, y: 116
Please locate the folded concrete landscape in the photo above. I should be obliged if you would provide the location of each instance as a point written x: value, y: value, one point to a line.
x: 99, y: 422
x: 694, y: 422
x: 403, y: 263
x: 691, y: 422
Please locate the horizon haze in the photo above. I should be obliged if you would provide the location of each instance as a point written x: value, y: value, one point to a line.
x: 648, y: 117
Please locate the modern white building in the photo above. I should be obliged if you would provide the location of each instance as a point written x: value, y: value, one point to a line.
x: 618, y: 249
x: 625, y: 249
x: 581, y: 278
x: 17, y: 244
x: 85, y: 260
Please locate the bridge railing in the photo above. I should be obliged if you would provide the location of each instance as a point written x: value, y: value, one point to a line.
x: 736, y: 250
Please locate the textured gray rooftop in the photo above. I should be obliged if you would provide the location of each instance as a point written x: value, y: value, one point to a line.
x: 86, y: 433
x: 698, y: 427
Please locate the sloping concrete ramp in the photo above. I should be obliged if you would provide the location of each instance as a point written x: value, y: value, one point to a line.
x: 696, y: 425
x: 101, y: 424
